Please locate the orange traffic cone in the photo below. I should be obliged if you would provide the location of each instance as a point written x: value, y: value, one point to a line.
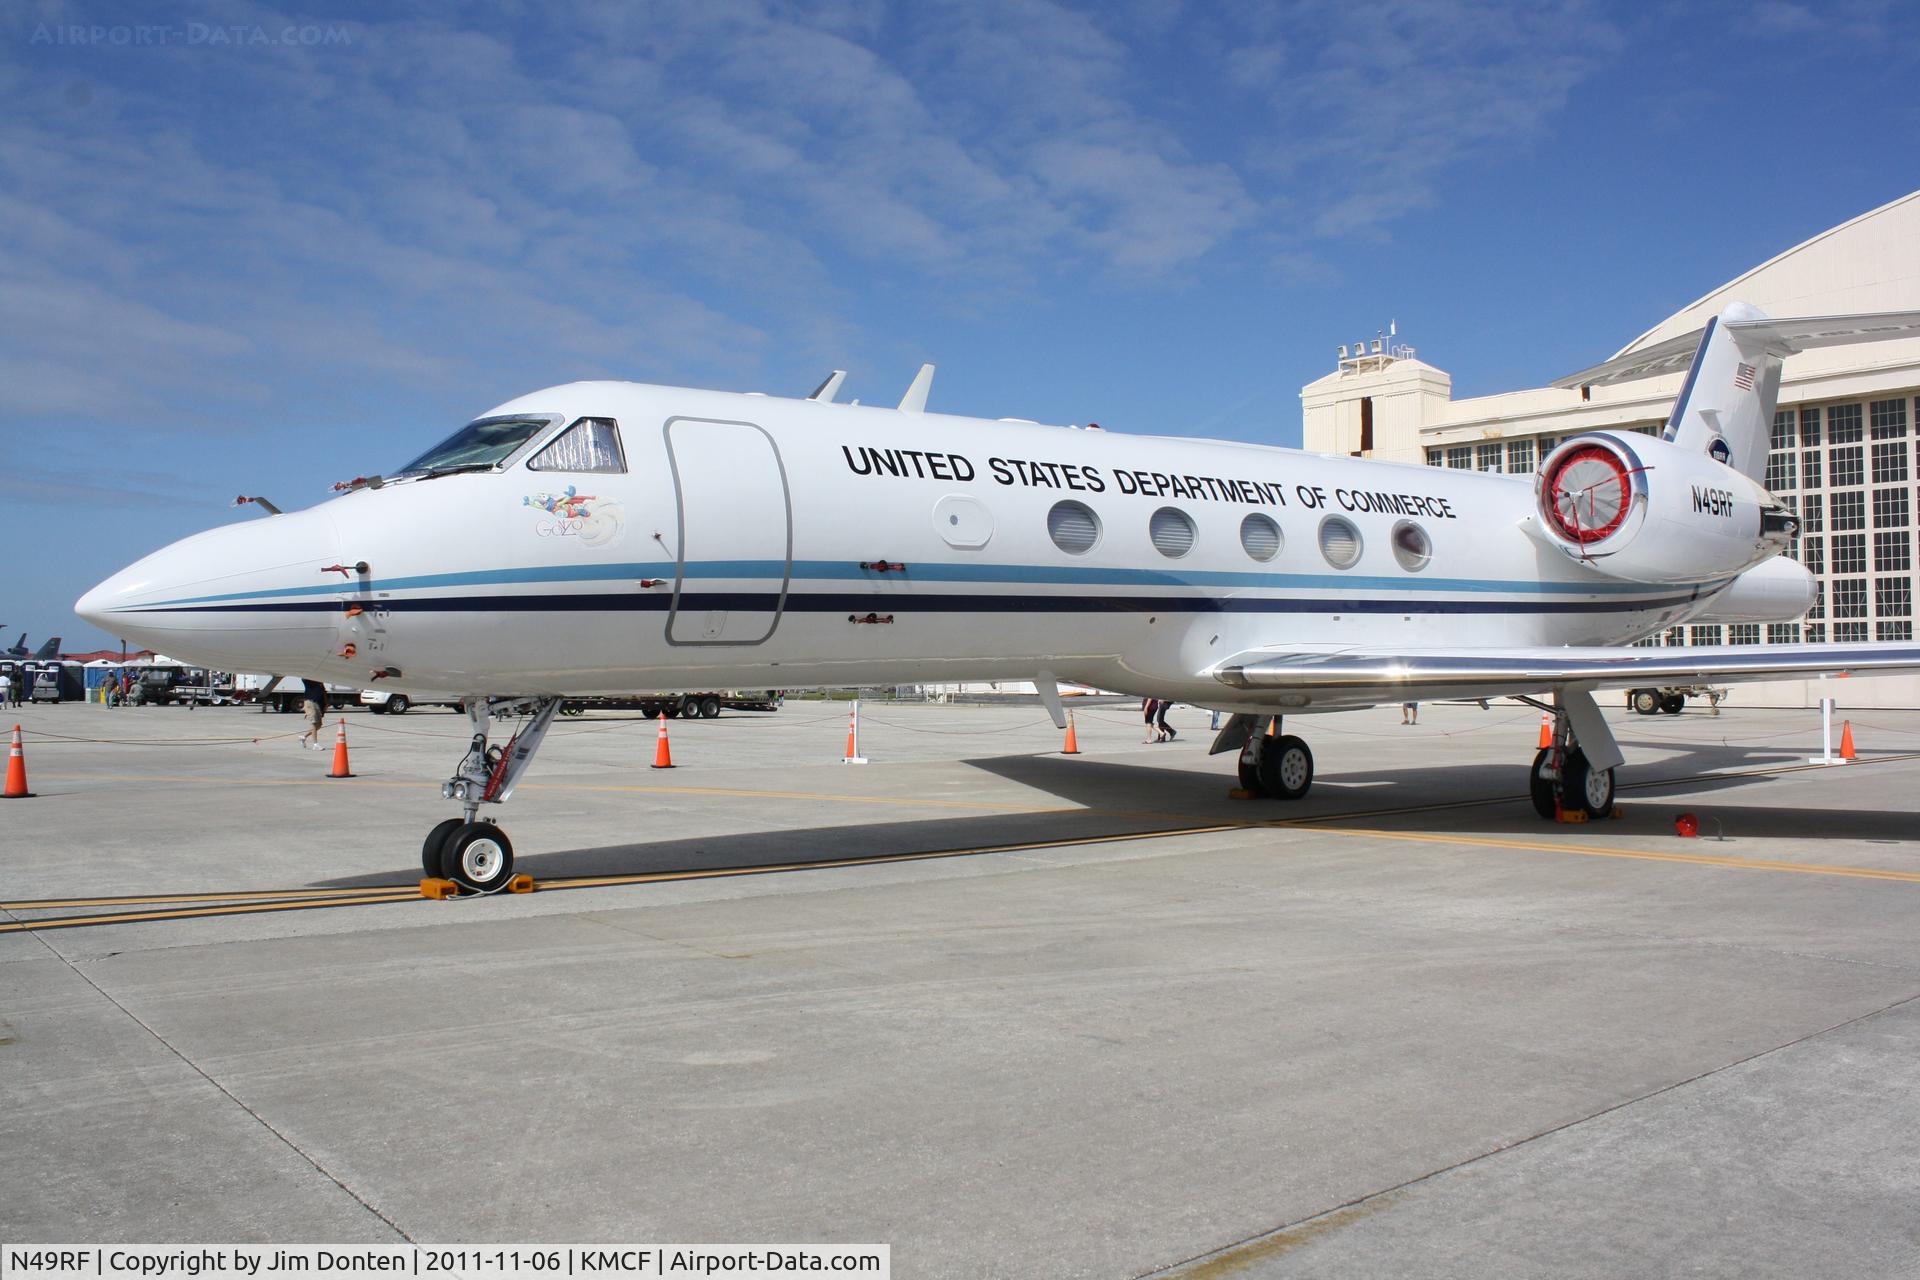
x: 1546, y: 730
x: 1846, y: 746
x: 16, y: 788
x: 1073, y: 743
x: 662, y: 754
x: 341, y: 769
x: 853, y: 755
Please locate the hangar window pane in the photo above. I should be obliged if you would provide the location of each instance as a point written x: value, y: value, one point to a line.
x: 1519, y: 457
x: 1890, y: 508
x: 1819, y: 607
x: 1893, y: 631
x: 1436, y: 457
x: 1073, y: 527
x: 1411, y: 546
x: 1888, y: 418
x: 1817, y: 633
x: 1340, y: 542
x: 1782, y: 430
x: 1850, y: 598
x: 1460, y: 457
x: 1707, y: 634
x: 1849, y: 632
x: 1893, y: 597
x: 1813, y: 554
x: 1490, y: 457
x: 591, y: 444
x: 1809, y: 426
x: 1843, y: 424
x: 1850, y: 553
x: 1744, y: 633
x: 1847, y: 510
x: 1172, y: 532
x: 1810, y: 468
x: 1783, y: 633
x: 1893, y: 550
x: 1676, y: 636
x: 1847, y: 467
x: 1780, y: 471
x: 1260, y: 537
x: 1890, y: 462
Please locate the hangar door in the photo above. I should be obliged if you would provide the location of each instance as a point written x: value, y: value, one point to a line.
x: 736, y: 532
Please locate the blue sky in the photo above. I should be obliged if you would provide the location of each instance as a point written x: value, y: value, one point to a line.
x: 253, y: 249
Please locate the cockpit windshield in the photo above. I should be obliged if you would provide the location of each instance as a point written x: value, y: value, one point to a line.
x: 478, y: 446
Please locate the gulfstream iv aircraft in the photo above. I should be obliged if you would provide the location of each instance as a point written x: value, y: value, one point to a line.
x: 605, y: 537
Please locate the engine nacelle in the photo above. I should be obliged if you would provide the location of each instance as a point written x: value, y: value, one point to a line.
x: 1779, y: 590
x: 1642, y: 509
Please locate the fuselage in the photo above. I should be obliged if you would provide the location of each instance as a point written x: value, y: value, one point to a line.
x: 749, y: 541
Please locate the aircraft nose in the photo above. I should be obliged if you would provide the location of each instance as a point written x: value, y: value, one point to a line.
x: 244, y: 597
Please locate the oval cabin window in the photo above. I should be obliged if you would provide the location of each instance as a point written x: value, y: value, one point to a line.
x: 1172, y: 532
x: 1340, y: 542
x: 1073, y: 527
x: 1260, y: 537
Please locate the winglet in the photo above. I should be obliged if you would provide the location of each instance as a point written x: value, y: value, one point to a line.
x: 915, y: 401
x: 831, y: 387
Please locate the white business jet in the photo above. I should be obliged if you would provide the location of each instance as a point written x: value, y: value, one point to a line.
x: 609, y: 537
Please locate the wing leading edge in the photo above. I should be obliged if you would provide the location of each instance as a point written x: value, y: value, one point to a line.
x: 1359, y: 676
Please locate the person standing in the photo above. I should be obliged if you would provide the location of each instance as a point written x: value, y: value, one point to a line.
x: 1409, y: 713
x: 6, y: 689
x: 314, y: 707
x: 1147, y: 707
x: 1162, y: 731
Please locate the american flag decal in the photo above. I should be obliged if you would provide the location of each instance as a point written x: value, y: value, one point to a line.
x: 1743, y: 376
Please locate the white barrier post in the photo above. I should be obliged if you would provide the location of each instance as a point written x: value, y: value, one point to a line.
x: 1826, y: 734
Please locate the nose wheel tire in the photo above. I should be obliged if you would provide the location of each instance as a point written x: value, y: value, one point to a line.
x: 1286, y: 768
x: 436, y: 844
x: 478, y: 856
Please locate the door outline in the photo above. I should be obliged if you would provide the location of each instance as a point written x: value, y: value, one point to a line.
x: 680, y: 529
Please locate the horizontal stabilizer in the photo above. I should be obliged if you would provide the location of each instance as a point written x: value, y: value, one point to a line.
x: 1783, y: 336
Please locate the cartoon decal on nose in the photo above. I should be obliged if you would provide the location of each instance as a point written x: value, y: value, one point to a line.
x: 595, y: 521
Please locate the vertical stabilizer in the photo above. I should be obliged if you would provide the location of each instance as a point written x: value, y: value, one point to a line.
x: 51, y: 649
x: 1725, y: 408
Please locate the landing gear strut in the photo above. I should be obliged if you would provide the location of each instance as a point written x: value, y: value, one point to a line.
x: 1273, y: 765
x: 472, y: 852
x: 1575, y: 773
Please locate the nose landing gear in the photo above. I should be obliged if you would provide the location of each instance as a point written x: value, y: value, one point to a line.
x: 472, y: 852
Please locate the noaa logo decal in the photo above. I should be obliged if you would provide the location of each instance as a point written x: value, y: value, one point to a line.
x: 1720, y: 451
x: 572, y: 514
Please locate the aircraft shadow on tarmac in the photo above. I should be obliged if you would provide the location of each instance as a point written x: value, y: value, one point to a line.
x: 1114, y: 799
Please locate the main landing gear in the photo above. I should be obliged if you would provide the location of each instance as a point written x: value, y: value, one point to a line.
x: 1574, y: 774
x: 474, y: 853
x: 1273, y: 765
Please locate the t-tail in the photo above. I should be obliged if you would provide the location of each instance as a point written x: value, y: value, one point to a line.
x: 51, y: 649
x: 1725, y: 408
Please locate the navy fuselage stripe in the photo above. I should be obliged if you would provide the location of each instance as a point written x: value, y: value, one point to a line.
x: 869, y: 602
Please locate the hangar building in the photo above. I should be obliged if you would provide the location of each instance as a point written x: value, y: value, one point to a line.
x: 1844, y: 438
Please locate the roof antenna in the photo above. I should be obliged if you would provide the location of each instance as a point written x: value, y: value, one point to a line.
x: 915, y: 401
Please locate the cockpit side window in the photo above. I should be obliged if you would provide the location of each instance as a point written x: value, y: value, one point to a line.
x: 591, y: 444
x: 478, y: 446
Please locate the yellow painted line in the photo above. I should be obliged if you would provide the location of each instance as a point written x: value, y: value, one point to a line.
x: 909, y: 802
x: 1597, y: 851
x: 194, y: 913
x: 871, y: 860
x: 238, y: 895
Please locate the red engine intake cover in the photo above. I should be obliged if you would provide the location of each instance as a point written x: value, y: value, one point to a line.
x: 1587, y: 494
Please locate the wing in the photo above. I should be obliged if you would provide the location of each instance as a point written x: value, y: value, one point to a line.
x: 1335, y: 678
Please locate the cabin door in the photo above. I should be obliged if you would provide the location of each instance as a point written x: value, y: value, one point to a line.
x: 736, y: 532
